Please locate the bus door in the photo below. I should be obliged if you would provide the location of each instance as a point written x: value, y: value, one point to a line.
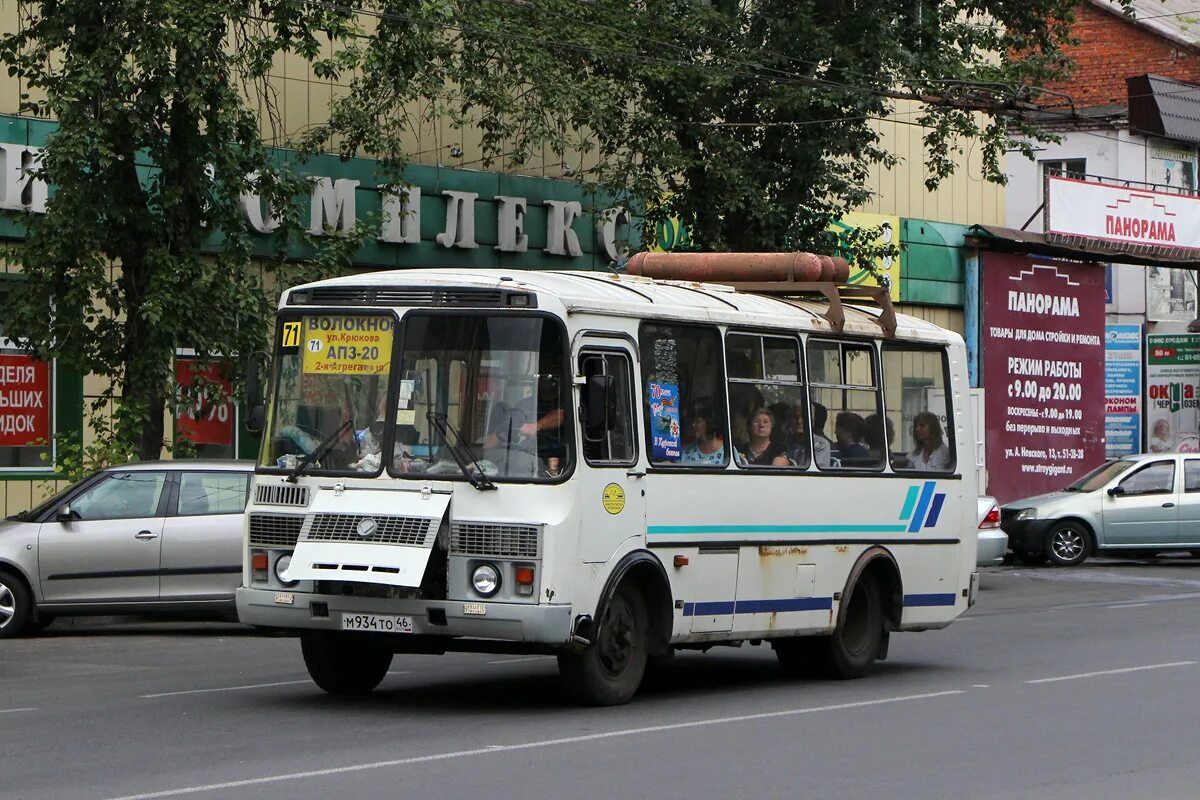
x: 611, y: 493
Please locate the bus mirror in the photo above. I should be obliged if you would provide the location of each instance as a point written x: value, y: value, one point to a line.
x: 257, y: 366
x: 599, y: 405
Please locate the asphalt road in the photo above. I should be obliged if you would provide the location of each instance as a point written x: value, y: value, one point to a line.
x: 1077, y: 683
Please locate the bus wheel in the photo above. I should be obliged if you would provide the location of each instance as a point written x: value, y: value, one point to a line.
x: 340, y: 664
x: 609, y: 671
x: 852, y: 649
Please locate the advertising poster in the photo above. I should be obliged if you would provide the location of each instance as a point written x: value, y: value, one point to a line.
x: 1172, y: 400
x: 1043, y: 365
x: 205, y: 423
x: 347, y: 345
x: 1170, y: 294
x: 664, y: 422
x: 24, y: 401
x: 1122, y: 390
x: 889, y: 228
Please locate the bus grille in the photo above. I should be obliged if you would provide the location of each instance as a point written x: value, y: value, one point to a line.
x: 275, y: 530
x: 388, y: 530
x: 484, y: 539
x: 281, y: 494
x: 400, y: 296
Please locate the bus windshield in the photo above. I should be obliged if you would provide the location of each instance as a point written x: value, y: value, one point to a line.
x: 330, y: 397
x: 491, y: 386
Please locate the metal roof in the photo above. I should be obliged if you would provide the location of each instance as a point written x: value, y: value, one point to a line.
x: 1011, y: 240
x: 1177, y: 20
x: 1165, y: 107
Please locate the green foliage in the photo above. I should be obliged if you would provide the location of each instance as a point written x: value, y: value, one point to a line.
x: 757, y: 117
x: 144, y: 248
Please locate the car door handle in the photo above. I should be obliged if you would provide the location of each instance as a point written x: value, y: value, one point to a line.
x: 1168, y: 505
x: 145, y: 536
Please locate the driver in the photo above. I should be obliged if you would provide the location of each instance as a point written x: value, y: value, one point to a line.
x: 538, y: 417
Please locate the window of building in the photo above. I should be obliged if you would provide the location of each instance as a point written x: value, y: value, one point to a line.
x: 684, y: 381
x: 919, y: 425
x: 768, y: 407
x: 846, y: 401
x: 1064, y: 168
x: 206, y: 416
x: 27, y: 398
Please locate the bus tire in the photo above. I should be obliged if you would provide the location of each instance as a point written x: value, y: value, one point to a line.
x: 609, y: 671
x: 853, y: 648
x: 343, y: 665
x: 16, y: 605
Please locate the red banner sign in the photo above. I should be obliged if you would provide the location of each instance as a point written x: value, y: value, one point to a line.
x: 204, y: 422
x: 24, y: 401
x: 1043, y: 366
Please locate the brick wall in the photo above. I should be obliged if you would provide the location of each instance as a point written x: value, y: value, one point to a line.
x: 1111, y: 49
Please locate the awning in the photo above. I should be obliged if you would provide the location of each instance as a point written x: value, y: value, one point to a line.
x: 1011, y: 240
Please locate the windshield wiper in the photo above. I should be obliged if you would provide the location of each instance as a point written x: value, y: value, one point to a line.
x: 319, y: 451
x: 442, y: 425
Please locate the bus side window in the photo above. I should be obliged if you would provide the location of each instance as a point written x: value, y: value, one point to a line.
x: 616, y: 444
x: 846, y: 405
x: 684, y: 382
x: 915, y: 384
x: 765, y: 382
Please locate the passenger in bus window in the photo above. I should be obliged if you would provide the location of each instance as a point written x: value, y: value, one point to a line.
x: 762, y: 449
x: 849, y: 429
x: 878, y: 437
x: 929, y: 451
x: 707, y: 445
x: 798, y: 445
x: 820, y: 415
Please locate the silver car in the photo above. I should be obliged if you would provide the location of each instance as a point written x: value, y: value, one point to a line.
x: 1148, y: 502
x: 993, y: 542
x: 154, y: 537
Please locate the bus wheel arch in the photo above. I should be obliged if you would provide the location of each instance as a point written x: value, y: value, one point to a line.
x: 644, y: 571
x: 879, y: 565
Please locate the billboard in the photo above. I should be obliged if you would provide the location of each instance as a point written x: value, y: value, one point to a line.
x: 1043, y: 366
x: 1122, y: 390
x: 1172, y: 399
x: 24, y: 401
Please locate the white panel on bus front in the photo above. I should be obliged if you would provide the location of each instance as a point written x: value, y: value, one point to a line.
x: 369, y: 537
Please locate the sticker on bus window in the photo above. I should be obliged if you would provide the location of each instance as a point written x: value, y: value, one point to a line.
x: 347, y: 345
x: 664, y: 421
x: 613, y: 498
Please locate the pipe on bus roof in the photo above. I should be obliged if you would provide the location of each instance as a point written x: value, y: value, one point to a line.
x: 740, y: 267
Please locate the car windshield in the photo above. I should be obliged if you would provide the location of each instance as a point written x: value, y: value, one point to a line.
x: 331, y: 386
x: 482, y: 393
x: 1100, y: 476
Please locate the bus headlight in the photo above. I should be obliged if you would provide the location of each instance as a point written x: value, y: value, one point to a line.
x: 281, y: 565
x: 486, y: 580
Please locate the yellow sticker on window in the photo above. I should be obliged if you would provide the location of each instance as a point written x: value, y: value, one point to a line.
x: 291, y: 334
x: 613, y: 498
x: 347, y: 345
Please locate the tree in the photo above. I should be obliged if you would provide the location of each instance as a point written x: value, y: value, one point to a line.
x: 755, y: 118
x: 143, y: 247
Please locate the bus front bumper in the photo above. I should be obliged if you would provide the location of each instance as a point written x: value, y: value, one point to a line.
x: 513, y: 622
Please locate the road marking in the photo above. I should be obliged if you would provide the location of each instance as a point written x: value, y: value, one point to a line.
x: 1129, y: 605
x: 1113, y: 672
x: 591, y: 737
x: 400, y: 672
x: 223, y: 689
x: 15, y: 710
x: 519, y: 660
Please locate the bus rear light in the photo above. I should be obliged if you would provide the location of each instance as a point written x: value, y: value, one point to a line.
x: 525, y: 576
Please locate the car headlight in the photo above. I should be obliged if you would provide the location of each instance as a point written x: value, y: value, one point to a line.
x: 486, y: 580
x: 281, y: 565
x: 1027, y: 513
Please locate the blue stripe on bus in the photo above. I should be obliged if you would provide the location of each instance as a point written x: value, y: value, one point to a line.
x: 935, y: 509
x: 916, y: 600
x: 922, y: 504
x: 909, y: 502
x: 691, y: 529
x: 757, y: 606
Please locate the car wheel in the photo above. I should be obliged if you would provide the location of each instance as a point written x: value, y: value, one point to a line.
x: 610, y: 670
x: 342, y: 664
x: 1067, y: 544
x: 16, y: 606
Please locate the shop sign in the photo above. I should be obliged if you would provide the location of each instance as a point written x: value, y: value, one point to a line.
x: 1150, y: 221
x: 889, y: 233
x: 204, y: 422
x: 1043, y: 349
x: 1172, y: 397
x: 24, y: 401
x: 1122, y: 390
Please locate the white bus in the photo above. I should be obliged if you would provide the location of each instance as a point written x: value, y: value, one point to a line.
x: 606, y: 468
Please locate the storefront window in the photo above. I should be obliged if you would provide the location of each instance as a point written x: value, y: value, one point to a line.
x: 205, y: 414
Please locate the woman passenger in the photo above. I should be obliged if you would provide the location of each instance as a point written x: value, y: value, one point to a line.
x: 930, y: 451
x: 708, y: 444
x: 762, y: 450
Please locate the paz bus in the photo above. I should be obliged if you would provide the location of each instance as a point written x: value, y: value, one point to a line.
x: 607, y: 468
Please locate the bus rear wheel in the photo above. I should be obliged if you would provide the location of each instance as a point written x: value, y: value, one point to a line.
x: 343, y: 665
x: 609, y: 670
x: 851, y: 650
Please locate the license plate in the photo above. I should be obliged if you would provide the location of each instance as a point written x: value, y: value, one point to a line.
x: 376, y: 622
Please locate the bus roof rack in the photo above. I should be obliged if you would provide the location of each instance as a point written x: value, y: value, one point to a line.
x: 781, y: 274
